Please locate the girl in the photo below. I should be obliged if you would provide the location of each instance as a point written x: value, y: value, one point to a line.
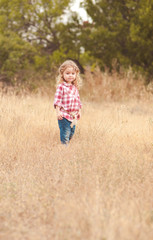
x: 67, y: 100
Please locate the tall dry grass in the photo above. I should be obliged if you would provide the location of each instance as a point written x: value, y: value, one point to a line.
x: 116, y: 86
x: 97, y: 85
x: 100, y: 187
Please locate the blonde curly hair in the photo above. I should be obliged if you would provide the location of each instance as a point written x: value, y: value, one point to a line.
x: 69, y: 63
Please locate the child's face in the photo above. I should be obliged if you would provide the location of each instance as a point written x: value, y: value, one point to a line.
x: 69, y: 74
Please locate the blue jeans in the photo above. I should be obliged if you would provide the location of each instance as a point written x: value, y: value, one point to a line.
x: 66, y: 132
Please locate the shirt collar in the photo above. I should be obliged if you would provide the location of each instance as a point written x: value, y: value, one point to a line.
x: 67, y: 84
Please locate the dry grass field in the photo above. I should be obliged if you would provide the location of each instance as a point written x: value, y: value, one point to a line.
x: 100, y: 187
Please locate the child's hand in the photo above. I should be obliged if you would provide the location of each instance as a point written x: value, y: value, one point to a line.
x: 59, y: 116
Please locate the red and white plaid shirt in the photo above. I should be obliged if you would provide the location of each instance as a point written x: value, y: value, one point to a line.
x: 68, y: 99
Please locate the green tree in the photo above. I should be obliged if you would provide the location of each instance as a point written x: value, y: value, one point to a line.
x: 37, y: 21
x: 122, y: 30
x: 16, y: 54
x: 141, y: 36
x: 37, y: 26
x: 41, y: 23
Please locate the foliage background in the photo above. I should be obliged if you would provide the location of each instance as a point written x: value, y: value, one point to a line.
x: 35, y: 37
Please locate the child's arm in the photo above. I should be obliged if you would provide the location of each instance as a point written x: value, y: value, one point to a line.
x: 80, y: 106
x: 58, y: 101
x: 58, y: 113
x: 79, y: 113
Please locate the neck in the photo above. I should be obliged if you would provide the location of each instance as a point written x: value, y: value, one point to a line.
x: 68, y: 83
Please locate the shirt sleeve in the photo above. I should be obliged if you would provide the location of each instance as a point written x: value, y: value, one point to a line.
x: 80, y: 104
x: 58, y: 96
